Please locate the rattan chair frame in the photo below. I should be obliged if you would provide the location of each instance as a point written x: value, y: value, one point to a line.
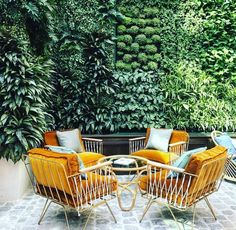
x: 86, y: 197
x: 138, y: 143
x: 178, y: 196
x: 230, y: 173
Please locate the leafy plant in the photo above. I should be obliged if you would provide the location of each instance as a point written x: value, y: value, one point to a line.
x: 148, y: 31
x: 133, y: 30
x: 24, y: 96
x: 152, y: 65
x: 156, y: 38
x: 142, y: 57
x: 138, y: 107
x: 140, y: 22
x: 151, y: 49
x: 125, y: 38
x: 99, y: 86
x: 135, y: 65
x: 127, y: 58
x: 121, y: 45
x: 141, y: 39
x: 189, y: 98
x: 121, y: 29
x: 134, y: 47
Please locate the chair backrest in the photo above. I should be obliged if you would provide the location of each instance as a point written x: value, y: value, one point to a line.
x: 208, y: 166
x: 176, y: 136
x: 50, y: 138
x: 215, y: 134
x: 51, y: 170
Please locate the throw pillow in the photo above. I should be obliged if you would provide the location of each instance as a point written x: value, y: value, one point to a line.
x: 65, y: 150
x: 71, y: 139
x: 183, y: 160
x: 159, y: 139
x: 226, y: 141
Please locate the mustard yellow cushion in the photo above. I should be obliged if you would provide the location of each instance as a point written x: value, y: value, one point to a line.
x: 51, y: 169
x: 90, y: 158
x: 156, y: 155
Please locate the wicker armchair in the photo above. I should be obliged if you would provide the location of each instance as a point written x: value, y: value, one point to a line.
x: 57, y: 178
x: 184, y: 188
x: 178, y: 143
x: 230, y: 173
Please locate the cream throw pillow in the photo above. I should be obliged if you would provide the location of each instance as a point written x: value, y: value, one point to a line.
x: 71, y: 139
x: 159, y: 139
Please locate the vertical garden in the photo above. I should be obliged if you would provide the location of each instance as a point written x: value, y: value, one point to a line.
x: 108, y: 66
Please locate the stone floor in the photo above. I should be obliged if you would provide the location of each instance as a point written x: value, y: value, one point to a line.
x: 24, y: 213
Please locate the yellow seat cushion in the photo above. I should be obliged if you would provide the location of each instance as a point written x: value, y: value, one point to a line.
x: 156, y: 155
x: 90, y: 158
x: 51, y: 169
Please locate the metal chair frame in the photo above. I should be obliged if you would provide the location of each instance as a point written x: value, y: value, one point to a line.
x: 87, y: 196
x: 138, y: 143
x: 178, y: 195
x: 93, y: 145
x: 230, y: 173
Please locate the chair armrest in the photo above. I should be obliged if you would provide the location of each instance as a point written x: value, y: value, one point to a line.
x: 178, y: 147
x: 136, y: 144
x: 177, y: 143
x: 91, y: 139
x: 164, y: 166
x: 93, y: 145
x: 137, y: 138
x: 91, y: 168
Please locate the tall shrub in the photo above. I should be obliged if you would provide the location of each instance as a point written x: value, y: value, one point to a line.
x: 24, y: 91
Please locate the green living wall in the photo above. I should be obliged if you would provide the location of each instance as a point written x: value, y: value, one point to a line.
x: 107, y: 66
x: 195, y: 68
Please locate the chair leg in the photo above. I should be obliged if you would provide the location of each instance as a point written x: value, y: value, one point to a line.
x: 146, y: 209
x: 109, y: 208
x: 173, y: 216
x: 194, y: 213
x: 66, y: 217
x: 210, y: 207
x: 45, y: 208
x: 87, y: 219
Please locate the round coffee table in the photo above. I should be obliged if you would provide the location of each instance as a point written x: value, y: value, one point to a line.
x: 130, y: 164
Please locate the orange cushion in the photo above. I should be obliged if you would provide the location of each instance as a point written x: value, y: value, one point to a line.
x: 51, y: 169
x: 90, y: 158
x: 156, y: 155
x: 197, y: 160
x: 50, y: 138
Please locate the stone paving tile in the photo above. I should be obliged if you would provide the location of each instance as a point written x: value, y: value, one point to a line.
x: 24, y: 214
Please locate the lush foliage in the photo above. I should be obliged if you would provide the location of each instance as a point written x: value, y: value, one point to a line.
x: 138, y: 33
x: 138, y: 104
x: 189, y: 47
x: 193, y: 99
x: 24, y: 93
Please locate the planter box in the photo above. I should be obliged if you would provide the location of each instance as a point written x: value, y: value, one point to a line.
x: 14, y: 180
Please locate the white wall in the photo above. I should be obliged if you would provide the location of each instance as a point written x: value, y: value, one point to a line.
x: 14, y: 180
